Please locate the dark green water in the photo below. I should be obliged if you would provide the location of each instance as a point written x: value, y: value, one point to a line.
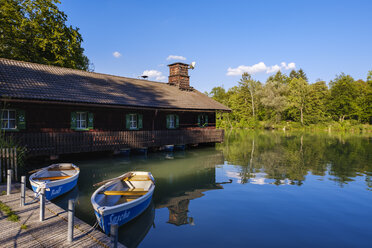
x: 268, y: 189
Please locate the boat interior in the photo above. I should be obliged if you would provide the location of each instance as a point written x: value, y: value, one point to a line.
x: 56, y: 172
x: 125, y: 189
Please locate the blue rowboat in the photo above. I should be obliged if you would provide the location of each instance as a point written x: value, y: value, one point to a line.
x: 123, y: 198
x: 180, y: 147
x: 169, y: 148
x: 57, y: 179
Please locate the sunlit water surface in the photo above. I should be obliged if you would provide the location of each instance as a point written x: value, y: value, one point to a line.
x: 266, y: 189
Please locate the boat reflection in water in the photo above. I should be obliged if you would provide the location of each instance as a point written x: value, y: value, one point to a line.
x: 132, y: 233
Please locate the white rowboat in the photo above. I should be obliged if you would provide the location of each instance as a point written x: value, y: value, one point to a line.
x: 123, y: 198
x: 57, y: 179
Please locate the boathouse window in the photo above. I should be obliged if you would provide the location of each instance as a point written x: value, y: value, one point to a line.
x: 8, y: 119
x: 203, y: 120
x: 134, y: 121
x: 81, y: 120
x: 12, y: 119
x: 172, y: 121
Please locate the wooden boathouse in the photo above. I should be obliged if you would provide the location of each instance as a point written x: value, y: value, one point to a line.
x: 53, y: 110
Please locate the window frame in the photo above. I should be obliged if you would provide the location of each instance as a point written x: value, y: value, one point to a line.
x: 79, y: 120
x: 8, y: 119
x: 203, y: 120
x: 172, y: 116
x: 131, y: 121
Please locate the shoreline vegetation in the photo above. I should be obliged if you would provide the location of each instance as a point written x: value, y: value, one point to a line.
x: 345, y: 126
x: 290, y: 102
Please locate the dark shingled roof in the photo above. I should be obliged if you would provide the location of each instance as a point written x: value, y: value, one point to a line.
x: 24, y: 80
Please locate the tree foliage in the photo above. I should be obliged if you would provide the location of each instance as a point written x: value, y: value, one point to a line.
x: 36, y: 31
x: 293, y: 98
x: 299, y: 95
x: 343, y: 94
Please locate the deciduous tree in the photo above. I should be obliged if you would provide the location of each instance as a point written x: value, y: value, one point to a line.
x: 298, y: 96
x: 342, y: 98
x: 36, y: 31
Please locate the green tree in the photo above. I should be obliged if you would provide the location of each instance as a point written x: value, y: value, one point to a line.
x: 299, y: 95
x: 273, y: 98
x: 280, y: 78
x: 249, y: 86
x: 298, y: 74
x: 369, y: 77
x: 219, y: 94
x: 342, y: 98
x: 317, y: 105
x: 363, y: 101
x: 36, y: 31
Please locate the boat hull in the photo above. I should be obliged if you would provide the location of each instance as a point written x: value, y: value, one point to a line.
x: 56, y: 190
x: 169, y: 148
x: 122, y: 216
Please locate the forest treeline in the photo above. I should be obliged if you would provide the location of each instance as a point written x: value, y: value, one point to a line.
x: 290, y: 101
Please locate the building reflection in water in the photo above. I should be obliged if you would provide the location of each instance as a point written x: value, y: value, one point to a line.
x: 178, y: 207
x: 178, y: 185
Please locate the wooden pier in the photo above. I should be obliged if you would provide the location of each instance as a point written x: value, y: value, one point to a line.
x: 52, y: 232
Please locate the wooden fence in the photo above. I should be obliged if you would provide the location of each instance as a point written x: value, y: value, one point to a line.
x: 56, y: 143
x: 8, y: 160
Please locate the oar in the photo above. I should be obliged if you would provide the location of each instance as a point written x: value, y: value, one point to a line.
x: 33, y: 171
x: 51, y: 178
x: 129, y: 174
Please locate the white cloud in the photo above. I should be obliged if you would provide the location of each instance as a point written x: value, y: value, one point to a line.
x: 258, y: 68
x: 175, y: 57
x: 116, y: 54
x: 289, y: 66
x: 157, y: 75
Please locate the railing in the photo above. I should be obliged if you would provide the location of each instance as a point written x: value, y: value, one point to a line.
x: 51, y: 143
x: 8, y: 160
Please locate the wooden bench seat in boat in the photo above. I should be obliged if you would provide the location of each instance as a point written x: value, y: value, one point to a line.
x: 124, y: 193
x: 51, y: 178
x: 137, y: 178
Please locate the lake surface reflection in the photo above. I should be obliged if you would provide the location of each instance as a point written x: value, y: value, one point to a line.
x: 261, y: 189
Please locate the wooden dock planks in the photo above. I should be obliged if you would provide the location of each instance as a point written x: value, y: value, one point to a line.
x: 50, y: 233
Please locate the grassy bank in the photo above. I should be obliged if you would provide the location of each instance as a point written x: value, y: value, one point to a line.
x: 345, y: 126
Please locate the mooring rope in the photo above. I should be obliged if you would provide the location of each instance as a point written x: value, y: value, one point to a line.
x: 35, y: 199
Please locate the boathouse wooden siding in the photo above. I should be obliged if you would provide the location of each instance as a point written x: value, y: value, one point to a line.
x: 57, y: 118
x: 46, y: 99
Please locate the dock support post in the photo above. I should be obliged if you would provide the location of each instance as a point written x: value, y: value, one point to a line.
x: 42, y: 204
x: 23, y: 190
x: 9, y: 183
x: 70, y: 229
x: 114, y: 235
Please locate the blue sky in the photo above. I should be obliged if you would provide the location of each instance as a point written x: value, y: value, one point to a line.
x: 225, y: 38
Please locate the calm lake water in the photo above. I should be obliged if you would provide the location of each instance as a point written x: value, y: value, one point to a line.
x: 266, y: 189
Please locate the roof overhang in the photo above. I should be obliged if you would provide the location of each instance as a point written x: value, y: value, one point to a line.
x: 84, y: 104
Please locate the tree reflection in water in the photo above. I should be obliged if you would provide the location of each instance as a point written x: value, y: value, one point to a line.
x: 286, y: 158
